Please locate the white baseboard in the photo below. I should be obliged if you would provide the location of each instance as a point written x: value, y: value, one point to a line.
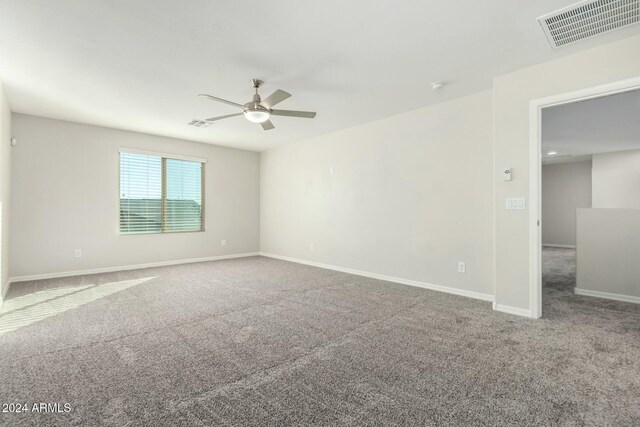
x: 441, y: 288
x: 125, y: 267
x: 607, y: 295
x: 5, y: 289
x: 553, y: 245
x: 513, y: 310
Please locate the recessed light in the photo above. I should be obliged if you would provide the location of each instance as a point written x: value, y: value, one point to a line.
x: 552, y: 153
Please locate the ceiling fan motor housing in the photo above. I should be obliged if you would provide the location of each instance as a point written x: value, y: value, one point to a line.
x: 254, y: 111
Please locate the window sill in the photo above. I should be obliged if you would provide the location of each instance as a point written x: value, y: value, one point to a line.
x: 161, y: 232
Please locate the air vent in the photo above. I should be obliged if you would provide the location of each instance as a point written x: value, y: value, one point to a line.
x: 588, y: 19
x: 199, y: 123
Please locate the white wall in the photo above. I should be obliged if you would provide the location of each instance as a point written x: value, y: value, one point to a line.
x: 608, y: 252
x: 513, y: 94
x: 65, y: 196
x: 409, y: 196
x: 616, y: 179
x: 5, y: 190
x: 410, y: 188
x: 565, y: 188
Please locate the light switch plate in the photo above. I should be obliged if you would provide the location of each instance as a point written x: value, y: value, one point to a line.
x: 515, y: 203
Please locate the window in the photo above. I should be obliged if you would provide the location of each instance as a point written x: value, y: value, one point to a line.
x: 160, y: 194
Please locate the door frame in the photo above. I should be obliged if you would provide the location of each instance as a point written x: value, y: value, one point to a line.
x: 535, y: 173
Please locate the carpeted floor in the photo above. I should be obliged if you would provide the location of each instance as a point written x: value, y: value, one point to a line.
x: 258, y: 341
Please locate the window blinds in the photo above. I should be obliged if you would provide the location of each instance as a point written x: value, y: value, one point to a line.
x: 183, y: 209
x: 159, y: 194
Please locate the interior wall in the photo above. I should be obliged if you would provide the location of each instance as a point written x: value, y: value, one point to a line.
x: 65, y: 197
x: 565, y: 188
x: 607, y: 256
x: 5, y: 190
x: 513, y: 94
x: 616, y: 179
x: 407, y: 196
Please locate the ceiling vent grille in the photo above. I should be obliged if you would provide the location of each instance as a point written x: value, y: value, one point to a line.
x: 198, y: 123
x: 588, y: 19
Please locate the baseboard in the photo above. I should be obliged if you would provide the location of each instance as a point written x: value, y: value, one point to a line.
x: 126, y: 267
x: 607, y: 295
x: 513, y: 310
x: 553, y: 245
x: 5, y: 289
x: 441, y: 288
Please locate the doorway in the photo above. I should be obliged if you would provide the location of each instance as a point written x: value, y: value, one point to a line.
x: 553, y: 268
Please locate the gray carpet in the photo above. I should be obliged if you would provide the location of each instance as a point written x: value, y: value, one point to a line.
x: 258, y: 341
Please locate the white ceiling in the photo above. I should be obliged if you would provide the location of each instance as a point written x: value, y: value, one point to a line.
x: 138, y: 65
x: 601, y: 125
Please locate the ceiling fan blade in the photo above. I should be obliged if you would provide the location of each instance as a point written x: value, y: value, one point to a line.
x: 213, y: 98
x: 293, y: 113
x: 267, y: 125
x: 275, y: 98
x: 214, y: 119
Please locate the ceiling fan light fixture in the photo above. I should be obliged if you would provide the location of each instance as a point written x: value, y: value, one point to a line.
x: 257, y: 116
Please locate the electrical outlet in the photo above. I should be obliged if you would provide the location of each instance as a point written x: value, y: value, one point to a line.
x: 223, y: 243
x: 462, y: 266
x: 311, y: 247
x: 78, y: 253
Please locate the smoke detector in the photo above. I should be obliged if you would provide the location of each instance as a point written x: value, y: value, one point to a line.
x: 436, y: 86
x: 588, y: 19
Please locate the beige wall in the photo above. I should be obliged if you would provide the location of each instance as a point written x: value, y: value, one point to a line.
x: 5, y: 189
x: 409, y: 196
x: 616, y: 179
x: 608, y: 251
x: 512, y: 96
x: 565, y: 188
x: 65, y: 197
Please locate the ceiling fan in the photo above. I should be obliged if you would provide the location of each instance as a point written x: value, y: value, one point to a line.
x: 258, y: 110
